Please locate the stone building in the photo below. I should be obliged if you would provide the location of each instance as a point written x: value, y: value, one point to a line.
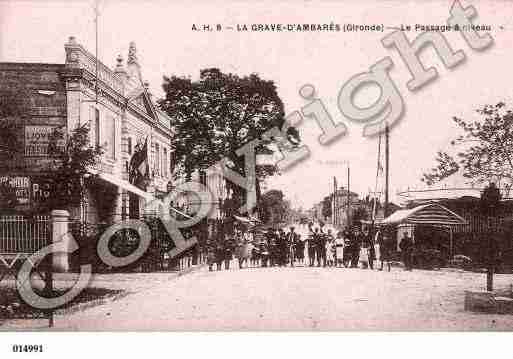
x: 122, y: 115
x: 340, y: 209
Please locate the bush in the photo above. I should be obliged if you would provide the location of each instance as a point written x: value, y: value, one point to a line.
x: 428, y: 259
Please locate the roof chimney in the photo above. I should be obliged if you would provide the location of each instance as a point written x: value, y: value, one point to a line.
x: 120, y: 70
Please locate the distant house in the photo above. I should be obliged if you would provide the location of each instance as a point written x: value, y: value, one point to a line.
x: 472, y: 238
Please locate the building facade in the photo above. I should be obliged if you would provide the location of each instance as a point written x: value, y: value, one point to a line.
x: 343, y: 204
x: 122, y: 117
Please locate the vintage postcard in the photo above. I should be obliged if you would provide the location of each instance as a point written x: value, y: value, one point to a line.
x: 229, y: 166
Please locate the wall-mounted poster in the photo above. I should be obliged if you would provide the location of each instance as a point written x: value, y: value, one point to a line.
x: 21, y: 185
x: 37, y: 140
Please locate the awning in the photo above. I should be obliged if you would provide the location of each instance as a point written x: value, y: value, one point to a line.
x: 243, y: 219
x: 180, y: 212
x: 250, y: 220
x: 432, y: 214
x: 135, y: 190
x: 126, y: 185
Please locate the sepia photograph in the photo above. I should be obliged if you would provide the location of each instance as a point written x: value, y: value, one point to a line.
x: 255, y: 166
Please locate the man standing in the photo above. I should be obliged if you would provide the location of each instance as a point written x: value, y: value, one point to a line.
x: 271, y: 244
x: 292, y: 238
x: 299, y: 249
x: 321, y: 249
x: 356, y: 246
x: 406, y: 247
x: 311, y: 245
x: 228, y: 251
x: 369, y: 243
x: 282, y: 247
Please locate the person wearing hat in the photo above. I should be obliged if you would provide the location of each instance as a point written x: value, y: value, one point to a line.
x: 406, y: 246
x: 292, y: 238
x: 312, y: 245
x: 339, y: 249
x: 322, y: 238
x: 228, y: 246
x: 211, y: 254
x: 356, y: 246
x: 299, y: 249
x: 271, y: 247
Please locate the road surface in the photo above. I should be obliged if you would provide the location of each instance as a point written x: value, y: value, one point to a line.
x: 298, y: 299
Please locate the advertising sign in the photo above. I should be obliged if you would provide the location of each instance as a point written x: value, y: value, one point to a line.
x: 21, y: 184
x: 37, y: 140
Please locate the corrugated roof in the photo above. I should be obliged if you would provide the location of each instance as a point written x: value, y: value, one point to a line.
x: 426, y: 214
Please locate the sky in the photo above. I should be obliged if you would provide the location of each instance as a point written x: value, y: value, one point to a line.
x: 35, y: 31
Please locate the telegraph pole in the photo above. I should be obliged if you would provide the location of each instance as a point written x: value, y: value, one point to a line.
x: 387, y: 165
x: 348, y: 195
x: 96, y: 15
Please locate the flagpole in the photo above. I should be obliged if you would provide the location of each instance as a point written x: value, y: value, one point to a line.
x: 334, y: 210
x: 96, y: 12
x: 387, y: 173
x: 348, y: 194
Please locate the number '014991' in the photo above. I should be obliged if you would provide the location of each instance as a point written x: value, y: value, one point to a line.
x: 36, y: 348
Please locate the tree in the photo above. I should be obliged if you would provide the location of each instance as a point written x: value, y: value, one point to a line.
x: 69, y: 172
x: 220, y: 113
x: 273, y: 207
x: 359, y: 214
x: 326, y: 207
x: 8, y: 199
x: 14, y: 105
x: 485, y: 149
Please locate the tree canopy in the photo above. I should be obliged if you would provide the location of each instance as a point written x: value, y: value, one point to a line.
x: 326, y: 207
x: 73, y: 157
x: 273, y: 207
x: 360, y: 213
x: 14, y: 104
x: 8, y: 199
x: 218, y: 114
x: 484, y: 152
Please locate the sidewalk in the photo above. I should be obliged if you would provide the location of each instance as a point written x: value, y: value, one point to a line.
x: 301, y: 298
x: 129, y: 283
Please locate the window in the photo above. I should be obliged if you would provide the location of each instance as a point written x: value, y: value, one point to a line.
x: 157, y: 159
x: 164, y: 162
x: 129, y: 145
x: 171, y: 162
x: 112, y: 138
x: 97, y: 127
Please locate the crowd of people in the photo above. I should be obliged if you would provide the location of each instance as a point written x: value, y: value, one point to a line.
x: 349, y: 248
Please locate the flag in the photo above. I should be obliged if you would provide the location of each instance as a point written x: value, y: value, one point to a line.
x: 139, y: 167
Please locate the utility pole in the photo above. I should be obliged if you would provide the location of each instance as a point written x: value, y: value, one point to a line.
x: 387, y: 166
x: 490, y: 201
x: 96, y: 15
x: 348, y: 195
x: 334, y: 201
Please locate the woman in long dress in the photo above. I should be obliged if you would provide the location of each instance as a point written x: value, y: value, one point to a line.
x: 339, y: 249
x: 330, y: 251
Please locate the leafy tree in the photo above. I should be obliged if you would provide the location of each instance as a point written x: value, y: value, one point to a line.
x: 8, y: 199
x: 485, y: 149
x: 326, y: 207
x: 14, y: 105
x: 68, y: 175
x: 273, y: 207
x: 360, y: 213
x: 220, y: 113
